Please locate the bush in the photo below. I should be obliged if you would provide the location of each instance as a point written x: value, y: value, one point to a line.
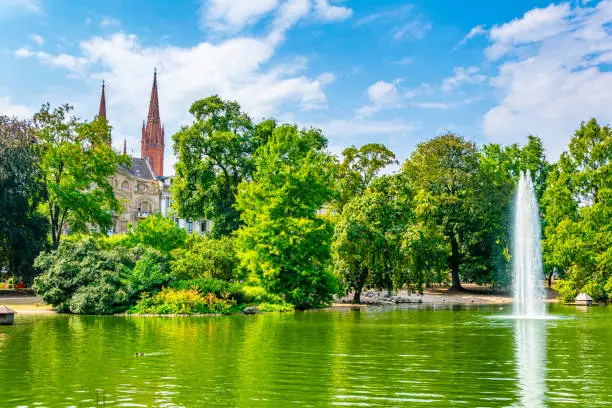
x: 595, y: 290
x: 567, y: 290
x: 218, y: 287
x: 205, y: 257
x: 608, y: 287
x: 99, y: 299
x: 257, y: 294
x: 183, y: 301
x: 150, y: 274
x: 156, y: 232
x: 269, y: 307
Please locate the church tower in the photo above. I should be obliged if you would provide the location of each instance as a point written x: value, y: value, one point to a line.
x: 152, y: 142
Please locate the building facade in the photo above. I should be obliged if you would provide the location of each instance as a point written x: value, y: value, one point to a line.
x: 141, y: 187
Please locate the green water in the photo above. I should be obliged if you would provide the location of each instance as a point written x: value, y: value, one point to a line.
x: 378, y: 357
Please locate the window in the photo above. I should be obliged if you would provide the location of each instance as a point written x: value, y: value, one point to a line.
x: 144, y: 208
x: 203, y: 226
x: 176, y: 221
x: 168, y: 202
x: 189, y: 226
x: 125, y: 186
x: 142, y: 187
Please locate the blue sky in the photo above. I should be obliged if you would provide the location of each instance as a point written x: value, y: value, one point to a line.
x: 395, y: 72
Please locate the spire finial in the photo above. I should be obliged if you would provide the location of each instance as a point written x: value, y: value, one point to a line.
x: 102, y: 110
x: 124, y: 146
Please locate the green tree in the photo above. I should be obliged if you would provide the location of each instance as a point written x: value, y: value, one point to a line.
x: 367, y: 248
x: 23, y: 229
x: 357, y: 170
x: 215, y: 154
x: 284, y: 242
x: 156, y: 232
x: 206, y: 257
x: 578, y: 202
x: 76, y: 160
x: 454, y: 193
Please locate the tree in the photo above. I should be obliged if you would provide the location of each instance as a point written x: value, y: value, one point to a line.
x: 358, y: 169
x: 206, y: 257
x: 454, y: 194
x: 578, y: 202
x: 156, y: 232
x: 76, y: 160
x: 367, y: 241
x: 284, y: 242
x: 215, y: 154
x: 23, y: 229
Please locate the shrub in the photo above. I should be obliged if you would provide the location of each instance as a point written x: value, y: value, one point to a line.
x: 608, y: 287
x: 150, y: 273
x: 100, y: 299
x: 205, y: 257
x: 594, y: 290
x: 274, y: 307
x: 217, y: 287
x: 183, y: 301
x: 567, y: 290
x: 257, y: 294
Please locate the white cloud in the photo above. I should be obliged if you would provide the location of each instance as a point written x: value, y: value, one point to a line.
x: 560, y: 82
x: 8, y: 7
x: 339, y: 128
x: 478, y: 30
x: 37, y: 39
x: 66, y: 61
x: 535, y: 25
x: 327, y: 12
x: 8, y: 108
x: 109, y: 22
x: 381, y: 94
x: 404, y: 61
x: 187, y: 74
x: 392, y: 14
x: 433, y: 105
x: 461, y: 76
x: 232, y: 16
x: 415, y: 30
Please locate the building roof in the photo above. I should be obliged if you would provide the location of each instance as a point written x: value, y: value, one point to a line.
x: 140, y: 168
x: 5, y: 310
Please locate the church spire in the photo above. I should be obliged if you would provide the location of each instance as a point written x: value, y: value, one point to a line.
x: 102, y: 111
x: 152, y: 142
x: 154, y: 103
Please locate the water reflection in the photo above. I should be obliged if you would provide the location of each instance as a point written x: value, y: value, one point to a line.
x: 530, y: 351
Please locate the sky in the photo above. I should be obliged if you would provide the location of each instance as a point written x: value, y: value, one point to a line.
x: 363, y: 71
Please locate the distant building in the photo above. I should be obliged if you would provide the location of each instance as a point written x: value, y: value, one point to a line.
x: 141, y: 187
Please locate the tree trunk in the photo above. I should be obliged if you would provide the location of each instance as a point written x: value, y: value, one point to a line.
x: 550, y: 274
x: 454, y: 264
x: 357, y: 296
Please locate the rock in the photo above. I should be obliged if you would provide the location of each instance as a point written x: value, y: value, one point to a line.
x: 250, y: 310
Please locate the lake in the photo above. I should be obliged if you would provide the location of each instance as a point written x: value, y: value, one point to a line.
x: 377, y: 357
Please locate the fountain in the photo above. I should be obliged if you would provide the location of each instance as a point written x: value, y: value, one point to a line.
x: 527, y: 252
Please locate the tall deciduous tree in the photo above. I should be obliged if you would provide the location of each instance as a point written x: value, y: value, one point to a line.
x: 215, y: 154
x: 284, y: 241
x: 367, y: 245
x: 22, y: 228
x: 357, y: 170
x: 452, y: 193
x: 578, y: 204
x: 76, y: 161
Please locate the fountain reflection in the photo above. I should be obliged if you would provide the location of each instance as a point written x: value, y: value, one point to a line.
x: 530, y: 354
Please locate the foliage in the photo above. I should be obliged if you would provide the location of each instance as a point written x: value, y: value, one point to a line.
x: 80, y: 277
x: 608, y: 287
x: 156, y: 232
x: 275, y: 307
x: 457, y: 195
x: 215, y: 154
x: 567, y: 290
x: 595, y: 290
x: 75, y: 160
x: 22, y: 228
x: 206, y: 257
x: 259, y: 295
x: 358, y: 169
x: 578, y: 204
x: 283, y: 241
x: 367, y: 241
x: 220, y: 288
x: 182, y: 301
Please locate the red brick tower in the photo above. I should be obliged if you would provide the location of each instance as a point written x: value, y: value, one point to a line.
x: 152, y: 142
